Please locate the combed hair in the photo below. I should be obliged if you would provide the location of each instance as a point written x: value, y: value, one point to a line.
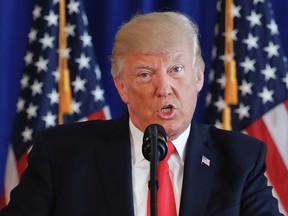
x: 150, y: 33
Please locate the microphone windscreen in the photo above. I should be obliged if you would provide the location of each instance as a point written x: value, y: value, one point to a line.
x: 154, y: 130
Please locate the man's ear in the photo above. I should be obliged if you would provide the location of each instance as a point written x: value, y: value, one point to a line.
x: 120, y: 85
x: 200, y: 76
x: 199, y: 81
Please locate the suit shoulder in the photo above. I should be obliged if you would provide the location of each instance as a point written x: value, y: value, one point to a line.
x: 79, y: 128
x: 227, y: 136
x: 233, y: 142
x: 79, y: 134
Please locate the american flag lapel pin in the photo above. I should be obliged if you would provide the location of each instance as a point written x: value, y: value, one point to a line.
x: 205, y: 161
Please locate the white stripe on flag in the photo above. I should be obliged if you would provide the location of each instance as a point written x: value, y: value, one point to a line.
x: 276, y: 121
x: 107, y: 112
x: 11, y: 173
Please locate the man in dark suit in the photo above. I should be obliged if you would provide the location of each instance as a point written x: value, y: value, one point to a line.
x: 97, y: 167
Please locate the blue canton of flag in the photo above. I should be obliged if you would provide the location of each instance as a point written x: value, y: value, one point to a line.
x: 37, y: 106
x: 262, y: 85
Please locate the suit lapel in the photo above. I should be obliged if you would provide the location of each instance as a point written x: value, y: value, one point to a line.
x: 115, y: 169
x: 199, y: 170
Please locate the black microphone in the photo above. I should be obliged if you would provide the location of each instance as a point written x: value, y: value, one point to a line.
x: 154, y: 149
x: 158, y: 132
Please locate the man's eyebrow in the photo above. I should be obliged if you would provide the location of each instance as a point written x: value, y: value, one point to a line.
x: 177, y: 57
x: 143, y: 65
x: 174, y: 58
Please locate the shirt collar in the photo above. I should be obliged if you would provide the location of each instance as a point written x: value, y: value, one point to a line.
x: 136, y: 137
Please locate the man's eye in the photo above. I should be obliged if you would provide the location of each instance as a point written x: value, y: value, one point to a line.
x: 177, y: 68
x: 143, y: 75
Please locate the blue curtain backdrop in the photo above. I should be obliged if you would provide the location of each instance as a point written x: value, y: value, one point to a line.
x: 104, y: 19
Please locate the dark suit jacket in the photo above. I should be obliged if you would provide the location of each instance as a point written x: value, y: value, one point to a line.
x: 85, y: 169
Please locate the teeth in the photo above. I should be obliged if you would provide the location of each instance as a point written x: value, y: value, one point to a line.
x: 166, y: 109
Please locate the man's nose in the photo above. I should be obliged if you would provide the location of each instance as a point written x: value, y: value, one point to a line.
x: 163, y: 85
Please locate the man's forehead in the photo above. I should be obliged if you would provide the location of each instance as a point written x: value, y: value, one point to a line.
x: 165, y: 56
x: 144, y: 60
x: 158, y: 45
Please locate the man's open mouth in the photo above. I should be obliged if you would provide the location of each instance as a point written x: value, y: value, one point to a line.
x: 166, y: 109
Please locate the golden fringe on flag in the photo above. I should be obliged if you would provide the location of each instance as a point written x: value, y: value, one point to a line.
x: 65, y: 95
x: 231, y: 88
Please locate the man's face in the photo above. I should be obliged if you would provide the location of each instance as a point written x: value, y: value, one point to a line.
x: 161, y: 89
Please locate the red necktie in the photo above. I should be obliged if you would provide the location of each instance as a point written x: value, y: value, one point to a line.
x: 165, y: 195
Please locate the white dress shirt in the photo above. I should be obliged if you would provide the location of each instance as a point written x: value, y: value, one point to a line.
x: 141, y: 169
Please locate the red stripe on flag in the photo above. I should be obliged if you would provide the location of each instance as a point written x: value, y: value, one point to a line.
x: 22, y: 164
x: 2, y: 199
x: 286, y: 104
x: 276, y: 169
x: 97, y: 115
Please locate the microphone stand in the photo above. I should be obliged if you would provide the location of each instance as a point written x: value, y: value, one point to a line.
x: 153, y: 183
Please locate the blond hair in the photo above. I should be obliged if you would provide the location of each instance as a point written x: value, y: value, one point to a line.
x: 154, y: 33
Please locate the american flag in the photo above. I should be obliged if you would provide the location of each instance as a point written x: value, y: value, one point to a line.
x: 37, y: 106
x: 262, y: 85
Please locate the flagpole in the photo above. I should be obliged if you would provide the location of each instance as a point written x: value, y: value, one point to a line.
x: 65, y: 95
x: 231, y: 88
